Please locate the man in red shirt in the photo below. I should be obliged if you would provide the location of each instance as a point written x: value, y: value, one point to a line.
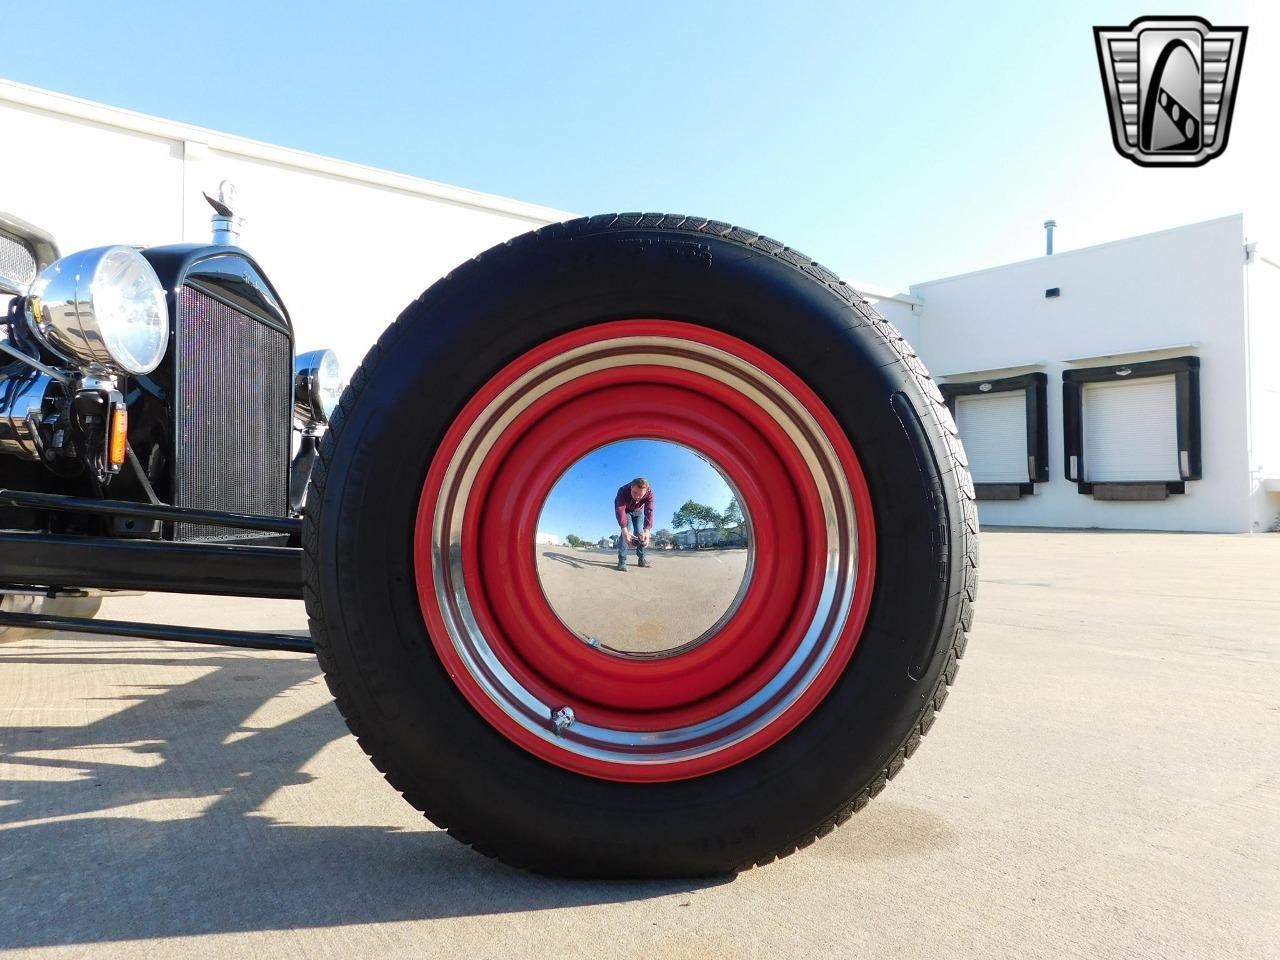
x: 633, y: 500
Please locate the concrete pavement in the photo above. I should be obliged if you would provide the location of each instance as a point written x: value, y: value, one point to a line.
x: 1102, y: 783
x: 681, y: 595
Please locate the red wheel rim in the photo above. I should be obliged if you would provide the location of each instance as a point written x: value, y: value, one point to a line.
x: 767, y: 665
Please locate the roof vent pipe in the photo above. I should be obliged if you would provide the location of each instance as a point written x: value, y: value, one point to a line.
x: 1048, y: 237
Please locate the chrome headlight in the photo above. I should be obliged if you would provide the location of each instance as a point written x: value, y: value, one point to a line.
x: 103, y: 306
x: 317, y: 387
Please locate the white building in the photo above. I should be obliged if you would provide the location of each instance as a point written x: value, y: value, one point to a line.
x: 347, y: 246
x: 1134, y: 384
x: 686, y: 539
x: 1129, y: 385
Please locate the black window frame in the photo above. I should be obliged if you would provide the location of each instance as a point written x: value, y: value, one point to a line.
x: 1186, y: 378
x: 1035, y: 387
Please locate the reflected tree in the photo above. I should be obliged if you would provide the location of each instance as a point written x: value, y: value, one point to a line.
x: 696, y: 517
x: 733, y: 525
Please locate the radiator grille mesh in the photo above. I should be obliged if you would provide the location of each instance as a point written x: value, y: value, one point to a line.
x: 16, y: 262
x: 233, y: 377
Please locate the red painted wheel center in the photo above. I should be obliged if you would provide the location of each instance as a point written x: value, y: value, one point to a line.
x: 706, y: 707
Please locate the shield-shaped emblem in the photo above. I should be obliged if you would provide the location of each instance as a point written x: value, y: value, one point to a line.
x: 1170, y: 84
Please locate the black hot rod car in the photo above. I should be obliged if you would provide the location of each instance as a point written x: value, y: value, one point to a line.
x: 157, y: 433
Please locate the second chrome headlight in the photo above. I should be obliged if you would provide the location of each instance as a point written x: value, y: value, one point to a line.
x: 102, y: 307
x: 317, y: 387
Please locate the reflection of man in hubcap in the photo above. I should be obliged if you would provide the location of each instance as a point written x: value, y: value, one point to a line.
x: 634, y: 499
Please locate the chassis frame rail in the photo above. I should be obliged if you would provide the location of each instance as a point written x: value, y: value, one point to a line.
x: 164, y: 566
x: 162, y: 631
x: 220, y: 569
x: 148, y: 511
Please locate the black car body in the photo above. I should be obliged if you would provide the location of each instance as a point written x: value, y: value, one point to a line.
x: 225, y: 425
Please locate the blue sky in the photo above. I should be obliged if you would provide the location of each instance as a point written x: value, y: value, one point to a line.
x: 896, y: 142
x: 581, y: 502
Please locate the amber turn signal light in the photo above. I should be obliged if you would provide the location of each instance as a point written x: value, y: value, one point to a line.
x: 119, y: 436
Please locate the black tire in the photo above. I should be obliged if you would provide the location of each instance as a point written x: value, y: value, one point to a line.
x: 367, y: 624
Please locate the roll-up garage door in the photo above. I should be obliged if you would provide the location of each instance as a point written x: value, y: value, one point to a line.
x: 993, y: 429
x: 1131, y: 430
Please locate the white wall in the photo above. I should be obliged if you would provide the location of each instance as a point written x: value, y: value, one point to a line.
x: 902, y: 312
x: 1262, y: 283
x: 347, y: 246
x: 1168, y: 289
x: 899, y: 308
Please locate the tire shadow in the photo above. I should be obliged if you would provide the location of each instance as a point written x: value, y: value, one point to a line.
x: 148, y: 822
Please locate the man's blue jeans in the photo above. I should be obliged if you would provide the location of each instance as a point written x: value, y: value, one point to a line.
x: 637, y: 520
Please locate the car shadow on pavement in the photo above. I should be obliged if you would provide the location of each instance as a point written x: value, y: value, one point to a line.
x: 148, y: 822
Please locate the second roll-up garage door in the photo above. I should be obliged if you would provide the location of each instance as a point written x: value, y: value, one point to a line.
x: 1130, y: 430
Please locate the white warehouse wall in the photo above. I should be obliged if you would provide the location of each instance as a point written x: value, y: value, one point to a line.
x: 901, y: 310
x: 1180, y: 289
x: 1262, y: 277
x: 347, y: 246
